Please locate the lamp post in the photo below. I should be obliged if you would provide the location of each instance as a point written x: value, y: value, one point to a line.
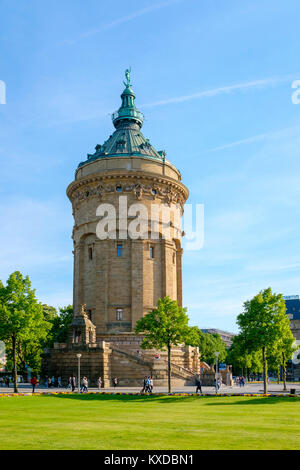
x: 78, y: 378
x: 217, y: 355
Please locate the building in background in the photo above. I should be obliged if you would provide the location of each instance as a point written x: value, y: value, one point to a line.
x: 292, y: 303
x: 226, y: 336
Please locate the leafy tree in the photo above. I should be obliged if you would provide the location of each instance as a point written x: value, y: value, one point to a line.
x: 22, y: 322
x: 49, y: 312
x: 274, y: 360
x: 237, y: 355
x: 263, y: 323
x: 60, y: 323
x: 242, y: 359
x: 208, y: 344
x: 164, y: 327
x: 285, y: 350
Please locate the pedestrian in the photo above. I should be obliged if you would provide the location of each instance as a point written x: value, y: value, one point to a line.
x: 73, y: 383
x: 46, y: 381
x: 7, y: 381
x: 59, y: 384
x: 33, y: 382
x: 53, y: 381
x: 84, y: 385
x: 115, y: 382
x: 198, y: 384
x: 148, y: 384
x: 49, y: 382
x: 70, y: 382
x: 1, y: 381
x: 99, y: 382
x: 144, y: 385
x: 151, y: 385
x: 219, y: 382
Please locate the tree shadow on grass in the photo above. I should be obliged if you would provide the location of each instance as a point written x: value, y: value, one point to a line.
x: 210, y: 400
x: 122, y: 398
x: 253, y: 401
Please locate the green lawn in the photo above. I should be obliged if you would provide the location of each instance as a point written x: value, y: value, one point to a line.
x: 137, y: 422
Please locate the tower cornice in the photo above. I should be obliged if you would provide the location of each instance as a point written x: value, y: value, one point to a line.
x: 139, y: 182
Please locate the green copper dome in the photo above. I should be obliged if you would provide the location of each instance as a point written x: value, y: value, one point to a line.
x: 127, y: 140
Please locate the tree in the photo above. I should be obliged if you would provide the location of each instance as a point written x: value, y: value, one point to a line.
x: 21, y: 318
x: 60, y: 323
x: 164, y: 327
x: 285, y: 349
x: 242, y: 359
x: 263, y: 323
x: 208, y: 344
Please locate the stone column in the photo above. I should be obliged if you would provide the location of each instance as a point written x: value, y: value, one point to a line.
x: 179, y: 252
x: 137, y: 253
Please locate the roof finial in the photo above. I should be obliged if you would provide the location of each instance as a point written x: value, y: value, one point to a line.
x: 127, y: 75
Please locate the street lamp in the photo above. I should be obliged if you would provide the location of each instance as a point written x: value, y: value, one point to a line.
x: 78, y: 356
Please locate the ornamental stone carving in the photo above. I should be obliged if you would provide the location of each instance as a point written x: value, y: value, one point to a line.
x: 168, y: 194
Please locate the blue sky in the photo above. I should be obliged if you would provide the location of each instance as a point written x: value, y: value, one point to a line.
x: 214, y: 81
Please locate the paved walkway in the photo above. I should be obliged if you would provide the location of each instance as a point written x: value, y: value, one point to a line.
x: 248, y: 388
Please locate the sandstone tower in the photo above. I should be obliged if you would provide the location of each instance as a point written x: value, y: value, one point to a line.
x: 118, y: 278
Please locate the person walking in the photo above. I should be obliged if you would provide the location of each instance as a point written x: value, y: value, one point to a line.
x: 84, y: 385
x: 144, y: 385
x: 53, y: 381
x: 73, y: 383
x: 99, y: 383
x: 46, y: 381
x: 70, y: 382
x: 151, y: 385
x: 198, y: 384
x: 33, y: 382
x: 59, y: 384
x: 148, y: 384
x: 115, y: 382
x: 219, y: 382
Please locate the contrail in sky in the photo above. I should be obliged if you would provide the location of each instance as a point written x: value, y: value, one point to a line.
x: 124, y: 19
x: 220, y: 90
x: 281, y: 133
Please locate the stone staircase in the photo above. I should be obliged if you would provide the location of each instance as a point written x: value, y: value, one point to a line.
x: 126, y: 364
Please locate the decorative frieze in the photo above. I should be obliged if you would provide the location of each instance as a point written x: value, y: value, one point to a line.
x: 166, y: 191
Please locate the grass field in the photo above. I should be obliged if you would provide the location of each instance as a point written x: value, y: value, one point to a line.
x: 137, y: 422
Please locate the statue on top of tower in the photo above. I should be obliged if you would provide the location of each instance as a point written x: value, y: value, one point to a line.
x: 127, y: 75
